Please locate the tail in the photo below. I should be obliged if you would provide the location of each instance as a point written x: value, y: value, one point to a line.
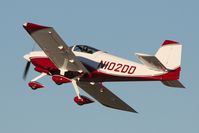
x: 167, y: 59
x: 170, y: 56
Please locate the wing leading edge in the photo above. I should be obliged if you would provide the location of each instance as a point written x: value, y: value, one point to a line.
x: 104, y: 96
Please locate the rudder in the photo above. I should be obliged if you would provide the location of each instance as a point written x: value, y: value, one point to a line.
x: 169, y: 54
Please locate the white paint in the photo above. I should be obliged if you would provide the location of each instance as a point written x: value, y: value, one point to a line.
x: 71, y: 61
x: 76, y: 89
x: 38, y: 77
x: 92, y: 83
x: 25, y: 24
x: 60, y: 47
x: 170, y: 55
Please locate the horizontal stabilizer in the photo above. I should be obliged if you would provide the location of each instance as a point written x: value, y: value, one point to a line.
x: 151, y: 62
x: 173, y: 83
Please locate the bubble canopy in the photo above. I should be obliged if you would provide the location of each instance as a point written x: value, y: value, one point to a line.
x: 84, y: 49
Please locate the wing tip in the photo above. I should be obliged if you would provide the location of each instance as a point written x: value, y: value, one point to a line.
x: 129, y: 109
x: 133, y: 111
x: 31, y: 27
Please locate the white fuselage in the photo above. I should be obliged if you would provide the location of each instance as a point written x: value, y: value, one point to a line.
x: 108, y: 64
x: 115, y: 65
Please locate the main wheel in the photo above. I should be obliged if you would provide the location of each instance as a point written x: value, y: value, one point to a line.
x: 59, y: 83
x: 33, y: 88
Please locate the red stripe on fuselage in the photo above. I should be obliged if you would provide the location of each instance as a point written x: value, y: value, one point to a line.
x: 104, y: 77
x: 97, y: 76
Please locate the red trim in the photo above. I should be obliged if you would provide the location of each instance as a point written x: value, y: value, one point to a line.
x: 35, y: 85
x: 172, y: 75
x: 60, y: 79
x: 30, y: 27
x: 103, y: 77
x: 42, y: 62
x: 45, y: 64
x: 168, y: 42
x: 41, y: 70
x: 83, y: 100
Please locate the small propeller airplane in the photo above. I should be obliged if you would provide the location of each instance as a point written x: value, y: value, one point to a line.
x: 87, y: 67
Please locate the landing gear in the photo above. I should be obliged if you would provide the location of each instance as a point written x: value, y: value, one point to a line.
x: 83, y: 100
x: 79, y: 99
x: 59, y: 83
x: 36, y: 85
x: 59, y: 79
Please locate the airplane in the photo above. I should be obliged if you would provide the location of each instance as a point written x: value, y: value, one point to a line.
x: 88, y: 68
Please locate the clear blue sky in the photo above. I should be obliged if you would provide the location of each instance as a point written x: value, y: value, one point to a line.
x: 119, y: 27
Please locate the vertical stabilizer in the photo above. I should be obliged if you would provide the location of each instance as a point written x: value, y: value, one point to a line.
x: 169, y: 54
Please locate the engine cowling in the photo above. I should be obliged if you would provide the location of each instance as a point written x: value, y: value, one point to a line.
x: 41, y: 70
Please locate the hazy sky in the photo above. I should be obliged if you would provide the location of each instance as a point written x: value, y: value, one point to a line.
x: 118, y: 27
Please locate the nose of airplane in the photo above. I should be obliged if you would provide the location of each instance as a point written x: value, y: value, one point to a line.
x: 27, y: 57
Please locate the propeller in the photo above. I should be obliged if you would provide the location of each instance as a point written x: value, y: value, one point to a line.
x: 26, y: 70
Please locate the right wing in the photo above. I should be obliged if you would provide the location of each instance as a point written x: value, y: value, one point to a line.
x: 104, y: 96
x: 54, y: 47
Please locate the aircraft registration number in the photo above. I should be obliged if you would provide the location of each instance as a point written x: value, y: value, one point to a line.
x: 117, y: 67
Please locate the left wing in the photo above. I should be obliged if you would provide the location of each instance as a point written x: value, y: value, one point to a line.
x: 54, y: 47
x: 104, y: 96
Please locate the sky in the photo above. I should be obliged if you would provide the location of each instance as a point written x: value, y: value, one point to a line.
x: 120, y: 27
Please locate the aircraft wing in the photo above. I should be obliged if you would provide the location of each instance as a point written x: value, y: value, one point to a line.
x: 54, y: 47
x: 104, y: 96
